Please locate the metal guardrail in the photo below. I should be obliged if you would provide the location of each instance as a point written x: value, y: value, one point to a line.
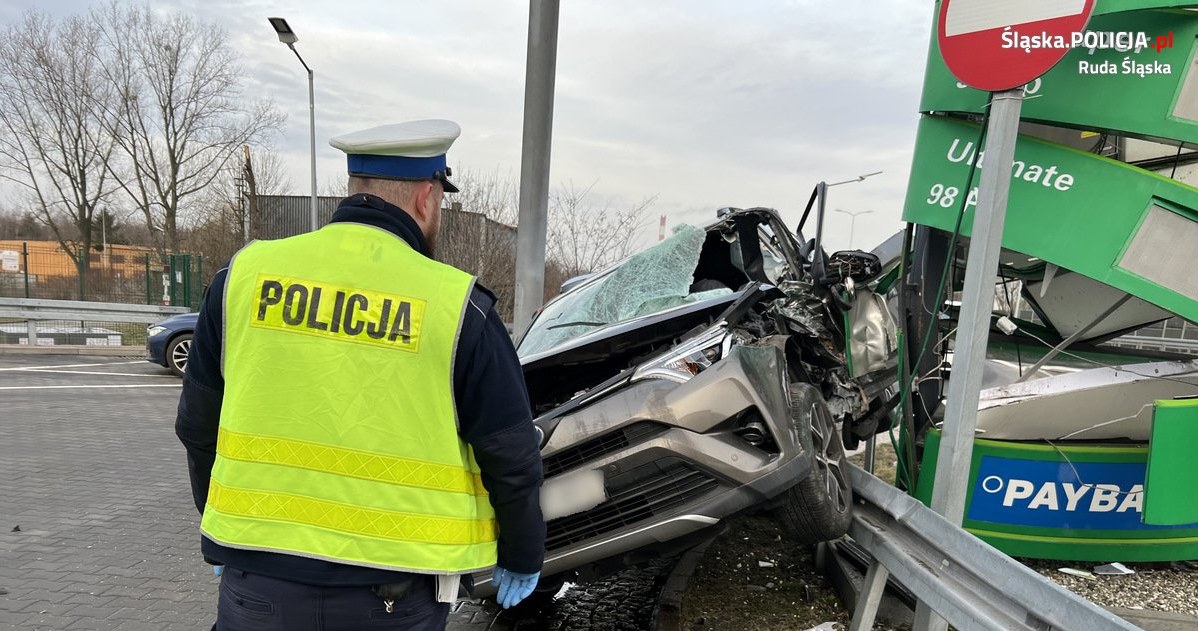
x: 967, y: 582
x: 33, y: 309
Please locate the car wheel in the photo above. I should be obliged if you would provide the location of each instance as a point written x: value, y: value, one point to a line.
x: 819, y: 507
x: 176, y: 354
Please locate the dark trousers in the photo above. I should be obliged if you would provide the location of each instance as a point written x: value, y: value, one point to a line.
x: 260, y: 603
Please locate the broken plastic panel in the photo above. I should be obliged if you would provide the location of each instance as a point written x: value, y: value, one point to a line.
x: 1108, y: 403
x: 1172, y: 476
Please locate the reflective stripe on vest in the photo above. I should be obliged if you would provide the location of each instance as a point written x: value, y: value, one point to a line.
x: 338, y: 435
x: 349, y: 462
x: 346, y: 518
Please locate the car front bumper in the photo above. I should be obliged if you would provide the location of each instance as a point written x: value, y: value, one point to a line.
x: 156, y: 348
x: 671, y: 458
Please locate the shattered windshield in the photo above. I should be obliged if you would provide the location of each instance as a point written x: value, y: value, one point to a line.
x: 650, y: 282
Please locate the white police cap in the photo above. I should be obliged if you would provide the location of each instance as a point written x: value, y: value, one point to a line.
x: 404, y: 151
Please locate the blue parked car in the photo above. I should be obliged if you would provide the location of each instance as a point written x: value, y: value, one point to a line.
x: 169, y: 340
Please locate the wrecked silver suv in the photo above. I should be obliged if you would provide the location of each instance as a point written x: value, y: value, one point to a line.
x: 711, y: 373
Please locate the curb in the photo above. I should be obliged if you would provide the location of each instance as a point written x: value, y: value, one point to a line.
x: 667, y: 614
x: 64, y: 349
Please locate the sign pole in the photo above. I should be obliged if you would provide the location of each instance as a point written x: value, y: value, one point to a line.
x: 977, y: 303
x: 533, y: 223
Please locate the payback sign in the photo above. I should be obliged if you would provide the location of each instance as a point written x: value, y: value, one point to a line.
x: 1049, y: 494
x: 976, y: 38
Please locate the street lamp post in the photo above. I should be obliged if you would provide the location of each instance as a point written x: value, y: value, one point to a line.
x: 859, y: 178
x: 288, y: 36
x: 853, y: 222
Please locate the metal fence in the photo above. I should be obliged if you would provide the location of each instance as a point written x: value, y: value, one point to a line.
x: 116, y: 273
x: 280, y: 216
x: 1174, y: 335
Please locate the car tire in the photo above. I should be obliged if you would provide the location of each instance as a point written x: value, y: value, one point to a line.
x: 176, y: 354
x: 819, y: 507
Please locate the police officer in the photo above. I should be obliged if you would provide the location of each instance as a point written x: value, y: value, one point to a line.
x: 357, y: 426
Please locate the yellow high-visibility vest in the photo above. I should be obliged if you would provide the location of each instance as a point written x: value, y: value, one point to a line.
x: 338, y: 432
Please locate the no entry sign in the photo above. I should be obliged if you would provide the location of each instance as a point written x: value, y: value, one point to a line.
x: 996, y: 46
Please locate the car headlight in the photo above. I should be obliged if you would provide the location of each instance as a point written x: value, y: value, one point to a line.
x: 540, y: 435
x: 151, y: 331
x: 689, y: 359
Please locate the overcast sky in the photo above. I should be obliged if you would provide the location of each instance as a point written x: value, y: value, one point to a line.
x: 701, y: 103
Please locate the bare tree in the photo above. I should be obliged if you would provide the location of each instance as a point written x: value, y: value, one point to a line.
x: 248, y: 203
x: 54, y: 108
x: 477, y: 236
x: 218, y: 227
x: 261, y: 173
x: 23, y: 226
x: 180, y: 118
x: 585, y: 236
x: 494, y: 194
x: 333, y: 186
x: 269, y: 173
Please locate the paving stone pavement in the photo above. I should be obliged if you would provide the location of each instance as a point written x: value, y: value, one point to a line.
x: 97, y: 526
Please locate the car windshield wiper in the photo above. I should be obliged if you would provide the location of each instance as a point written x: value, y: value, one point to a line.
x: 578, y: 323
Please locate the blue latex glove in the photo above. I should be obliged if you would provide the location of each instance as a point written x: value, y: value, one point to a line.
x: 217, y: 570
x: 513, y: 587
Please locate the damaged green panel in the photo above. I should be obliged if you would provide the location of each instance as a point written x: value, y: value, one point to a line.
x: 1171, y: 484
x: 1103, y: 7
x: 1147, y: 92
x: 1075, y: 209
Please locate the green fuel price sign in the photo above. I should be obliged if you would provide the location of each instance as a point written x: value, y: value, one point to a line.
x: 1131, y: 73
x: 1108, y: 220
x: 1103, y: 7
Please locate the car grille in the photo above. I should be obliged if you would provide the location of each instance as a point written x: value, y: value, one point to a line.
x: 608, y: 443
x: 652, y: 489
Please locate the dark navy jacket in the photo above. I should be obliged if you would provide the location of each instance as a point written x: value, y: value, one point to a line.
x: 493, y: 414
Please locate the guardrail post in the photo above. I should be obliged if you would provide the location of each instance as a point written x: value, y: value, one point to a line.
x: 31, y: 332
x: 871, y: 596
x: 25, y: 257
